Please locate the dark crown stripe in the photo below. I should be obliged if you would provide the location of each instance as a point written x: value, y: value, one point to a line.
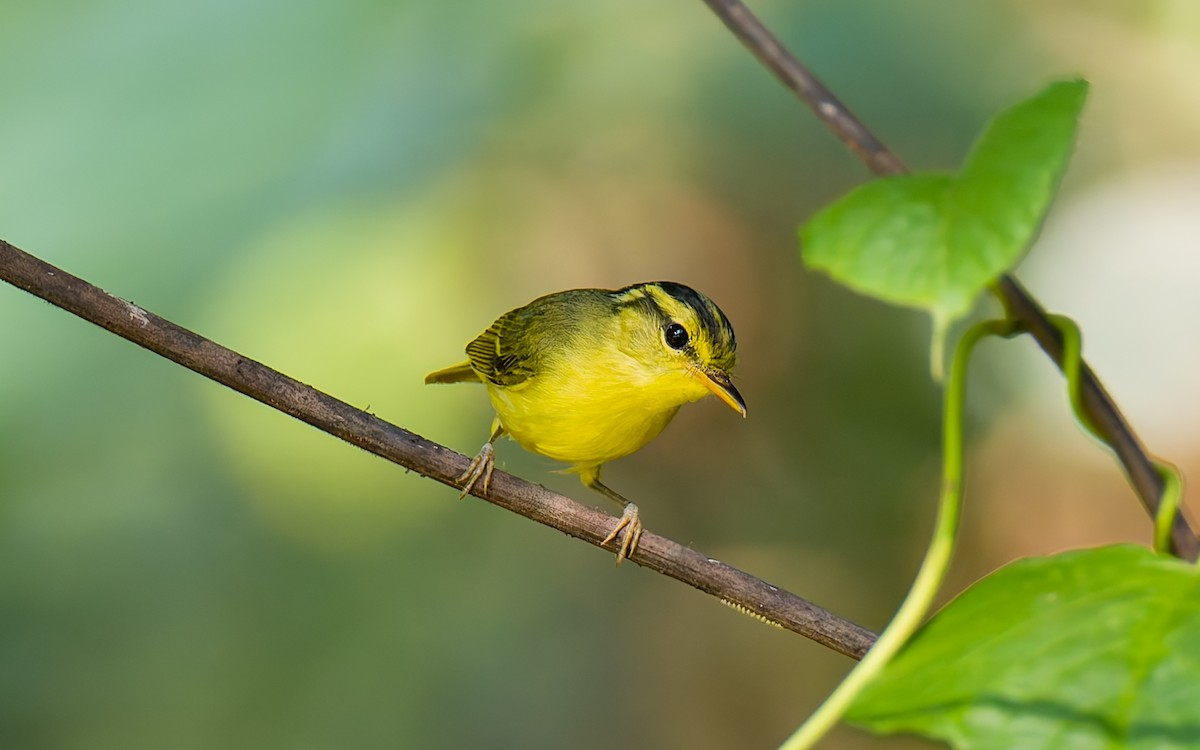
x: 711, y: 318
x: 637, y: 296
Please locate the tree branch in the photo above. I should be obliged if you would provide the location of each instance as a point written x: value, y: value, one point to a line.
x: 411, y: 451
x: 1018, y: 304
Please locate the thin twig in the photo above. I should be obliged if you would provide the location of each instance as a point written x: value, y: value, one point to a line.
x: 1018, y: 304
x: 791, y: 73
x: 418, y: 454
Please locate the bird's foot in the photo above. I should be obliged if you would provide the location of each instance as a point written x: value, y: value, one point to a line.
x: 481, y: 467
x: 633, y: 532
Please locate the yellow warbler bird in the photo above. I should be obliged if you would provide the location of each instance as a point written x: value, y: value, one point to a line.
x: 587, y: 376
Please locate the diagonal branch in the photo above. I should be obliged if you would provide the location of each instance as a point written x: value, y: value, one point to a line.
x: 411, y: 451
x: 1018, y: 303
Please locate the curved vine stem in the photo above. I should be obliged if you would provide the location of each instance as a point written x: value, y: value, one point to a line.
x: 1169, y: 499
x: 929, y: 578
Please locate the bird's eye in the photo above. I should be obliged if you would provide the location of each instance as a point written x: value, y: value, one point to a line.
x: 677, y: 335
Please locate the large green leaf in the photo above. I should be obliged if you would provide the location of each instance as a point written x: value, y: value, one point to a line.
x: 936, y: 241
x: 1091, y: 649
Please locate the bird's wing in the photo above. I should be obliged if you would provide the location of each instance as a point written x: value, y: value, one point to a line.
x: 507, y: 353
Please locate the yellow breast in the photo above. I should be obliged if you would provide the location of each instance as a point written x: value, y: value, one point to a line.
x: 592, y: 409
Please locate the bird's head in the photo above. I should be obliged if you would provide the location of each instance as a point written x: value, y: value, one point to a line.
x: 683, y: 337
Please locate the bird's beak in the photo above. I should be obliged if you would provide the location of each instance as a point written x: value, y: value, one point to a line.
x: 722, y: 387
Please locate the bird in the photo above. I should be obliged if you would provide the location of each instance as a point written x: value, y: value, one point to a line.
x: 587, y: 376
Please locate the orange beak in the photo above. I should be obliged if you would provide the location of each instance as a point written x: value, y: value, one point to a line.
x: 722, y: 387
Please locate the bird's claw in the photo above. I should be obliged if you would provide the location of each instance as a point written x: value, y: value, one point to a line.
x: 481, y: 466
x: 633, y: 532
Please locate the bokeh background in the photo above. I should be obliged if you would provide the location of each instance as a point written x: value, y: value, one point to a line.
x: 349, y: 191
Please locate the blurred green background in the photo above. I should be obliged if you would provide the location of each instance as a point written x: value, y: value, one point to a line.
x: 351, y: 191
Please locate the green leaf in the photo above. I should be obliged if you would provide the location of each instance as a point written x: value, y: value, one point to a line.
x: 935, y: 241
x: 1092, y: 649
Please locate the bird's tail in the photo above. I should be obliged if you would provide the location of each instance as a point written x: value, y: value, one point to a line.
x: 460, y: 373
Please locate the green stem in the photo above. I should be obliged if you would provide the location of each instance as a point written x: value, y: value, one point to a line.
x: 1072, y: 366
x: 937, y: 557
x: 1168, y: 506
x: 1172, y: 491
